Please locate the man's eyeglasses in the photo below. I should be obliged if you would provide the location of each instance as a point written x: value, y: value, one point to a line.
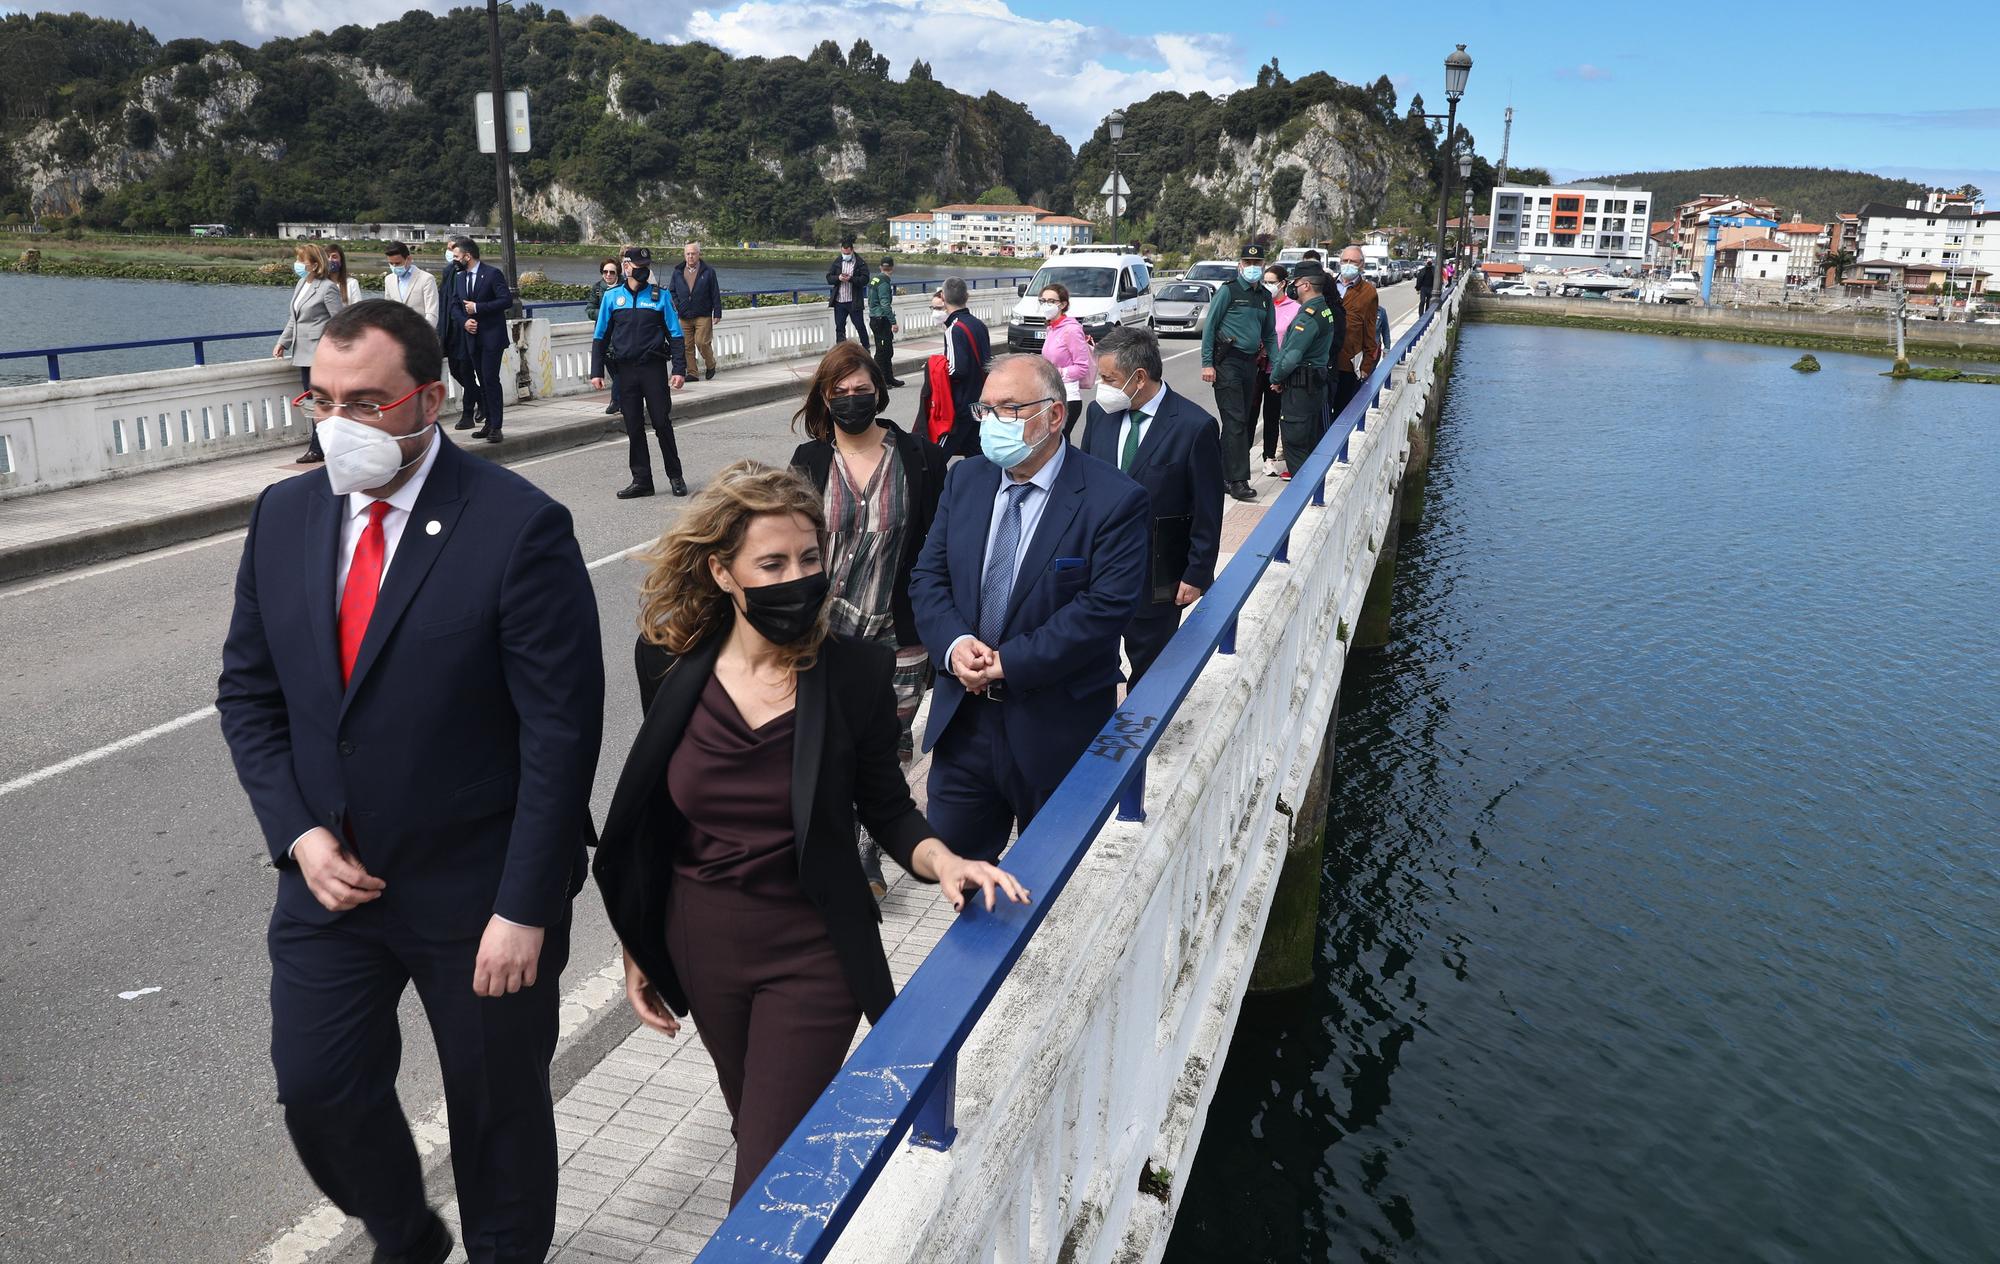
x: 1012, y: 412
x: 358, y: 410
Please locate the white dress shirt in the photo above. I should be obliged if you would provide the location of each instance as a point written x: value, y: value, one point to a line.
x: 1142, y: 415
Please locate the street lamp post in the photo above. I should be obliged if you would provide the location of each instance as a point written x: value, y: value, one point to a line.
x: 1465, y: 220
x: 1115, y: 125
x: 501, y: 134
x: 1457, y: 69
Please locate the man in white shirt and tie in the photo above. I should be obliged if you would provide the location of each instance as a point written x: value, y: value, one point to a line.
x: 1172, y: 447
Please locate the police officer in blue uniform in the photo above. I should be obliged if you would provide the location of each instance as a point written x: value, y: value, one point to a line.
x: 638, y: 335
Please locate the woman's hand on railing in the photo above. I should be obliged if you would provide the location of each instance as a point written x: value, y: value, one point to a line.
x: 955, y: 875
x: 646, y: 1002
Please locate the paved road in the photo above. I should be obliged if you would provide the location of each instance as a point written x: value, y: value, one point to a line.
x: 145, y: 1130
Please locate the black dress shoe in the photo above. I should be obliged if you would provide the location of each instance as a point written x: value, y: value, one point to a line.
x: 310, y: 458
x: 1241, y: 491
x: 610, y: 409
x: 465, y: 423
x: 680, y: 487
x: 635, y: 491
x: 433, y: 1248
x: 493, y: 436
x: 481, y: 433
x: 896, y: 381
x: 709, y: 376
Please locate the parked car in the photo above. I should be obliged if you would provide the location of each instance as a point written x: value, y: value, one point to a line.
x: 1108, y: 286
x: 1513, y: 289
x: 1377, y: 270
x: 1181, y: 307
x: 1214, y: 271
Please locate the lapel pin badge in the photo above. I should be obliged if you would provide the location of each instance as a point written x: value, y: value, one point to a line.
x: 433, y: 527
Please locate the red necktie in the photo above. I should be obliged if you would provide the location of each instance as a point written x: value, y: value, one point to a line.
x: 364, y: 579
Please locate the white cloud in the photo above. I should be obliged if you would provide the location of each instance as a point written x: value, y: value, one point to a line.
x: 1057, y: 67
x: 295, y: 17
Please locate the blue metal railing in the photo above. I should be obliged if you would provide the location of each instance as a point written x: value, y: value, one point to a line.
x: 53, y: 355
x: 902, y: 1079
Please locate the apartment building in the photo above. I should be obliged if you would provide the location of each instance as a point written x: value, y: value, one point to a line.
x: 1942, y: 236
x: 1573, y: 226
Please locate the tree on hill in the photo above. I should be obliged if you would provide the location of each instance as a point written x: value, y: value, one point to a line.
x: 999, y: 195
x: 1818, y: 193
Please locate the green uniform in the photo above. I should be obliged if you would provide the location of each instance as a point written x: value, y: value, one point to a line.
x: 1241, y: 322
x: 881, y: 310
x: 1301, y: 368
x: 882, y: 297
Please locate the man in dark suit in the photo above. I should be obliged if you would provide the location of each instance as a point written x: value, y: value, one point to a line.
x: 1170, y: 446
x: 968, y: 347
x: 1034, y: 565
x: 479, y: 300
x: 458, y: 349
x: 412, y: 691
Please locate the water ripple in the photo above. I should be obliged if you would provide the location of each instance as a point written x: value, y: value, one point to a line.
x: 1661, y: 875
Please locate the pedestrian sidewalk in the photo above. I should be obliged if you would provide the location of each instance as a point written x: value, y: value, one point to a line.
x: 643, y: 1138
x: 97, y: 521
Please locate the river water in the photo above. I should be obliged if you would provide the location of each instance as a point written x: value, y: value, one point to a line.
x: 1659, y: 918
x: 38, y: 311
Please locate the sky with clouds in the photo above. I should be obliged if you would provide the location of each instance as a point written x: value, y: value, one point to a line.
x: 1608, y: 91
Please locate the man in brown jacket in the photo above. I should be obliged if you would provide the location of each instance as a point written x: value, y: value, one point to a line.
x: 1361, y: 345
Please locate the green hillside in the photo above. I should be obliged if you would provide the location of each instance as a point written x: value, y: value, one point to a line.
x: 368, y: 123
x: 1815, y: 192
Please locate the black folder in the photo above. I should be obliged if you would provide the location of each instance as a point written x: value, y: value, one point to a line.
x: 1170, y: 554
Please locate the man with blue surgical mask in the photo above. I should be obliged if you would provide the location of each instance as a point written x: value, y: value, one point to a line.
x: 1035, y: 564
x: 408, y: 284
x: 1238, y: 337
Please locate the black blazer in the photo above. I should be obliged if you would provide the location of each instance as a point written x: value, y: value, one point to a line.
x: 923, y: 469
x: 1180, y: 465
x: 844, y: 767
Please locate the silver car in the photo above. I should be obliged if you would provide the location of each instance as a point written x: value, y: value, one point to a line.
x: 1180, y: 307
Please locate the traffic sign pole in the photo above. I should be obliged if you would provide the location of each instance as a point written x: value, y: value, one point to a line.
x: 502, y: 142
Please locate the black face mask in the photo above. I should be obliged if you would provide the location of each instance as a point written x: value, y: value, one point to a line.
x: 787, y: 612
x: 640, y: 272
x: 853, y: 413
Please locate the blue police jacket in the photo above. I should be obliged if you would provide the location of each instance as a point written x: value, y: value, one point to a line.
x: 634, y: 328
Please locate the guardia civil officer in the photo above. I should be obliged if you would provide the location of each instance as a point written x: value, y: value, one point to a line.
x: 638, y: 334
x: 1239, y: 333
x: 1299, y: 372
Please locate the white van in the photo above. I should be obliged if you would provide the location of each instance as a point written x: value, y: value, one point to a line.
x: 1108, y: 286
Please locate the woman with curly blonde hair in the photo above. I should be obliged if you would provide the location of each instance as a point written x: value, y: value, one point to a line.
x: 727, y: 860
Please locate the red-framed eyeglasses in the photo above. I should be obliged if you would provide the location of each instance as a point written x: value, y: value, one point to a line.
x: 359, y: 410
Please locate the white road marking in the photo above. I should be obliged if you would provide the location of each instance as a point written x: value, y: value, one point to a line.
x: 92, y: 756
x: 125, y: 563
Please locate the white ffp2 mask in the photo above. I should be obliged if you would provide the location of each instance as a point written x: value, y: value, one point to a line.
x: 360, y: 458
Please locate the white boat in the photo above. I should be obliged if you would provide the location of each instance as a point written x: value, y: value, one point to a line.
x: 1595, y: 281
x: 1682, y: 287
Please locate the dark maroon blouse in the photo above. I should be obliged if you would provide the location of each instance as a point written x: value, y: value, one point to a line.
x: 733, y: 783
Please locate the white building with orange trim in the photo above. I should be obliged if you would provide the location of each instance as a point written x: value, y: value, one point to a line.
x: 1574, y: 226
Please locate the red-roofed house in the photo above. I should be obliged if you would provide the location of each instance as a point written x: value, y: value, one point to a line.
x: 1753, y: 259
x: 1807, y: 243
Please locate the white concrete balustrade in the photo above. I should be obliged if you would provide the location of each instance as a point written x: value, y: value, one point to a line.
x: 1099, y: 1055
x: 60, y: 434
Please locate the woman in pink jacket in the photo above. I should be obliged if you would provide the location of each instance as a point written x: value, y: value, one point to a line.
x: 1068, y: 349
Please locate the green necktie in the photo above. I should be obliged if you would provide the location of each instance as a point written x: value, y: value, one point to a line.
x: 1131, y: 452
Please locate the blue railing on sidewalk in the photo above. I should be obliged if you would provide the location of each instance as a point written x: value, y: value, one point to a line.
x: 902, y: 1078
x: 815, y: 291
x: 53, y: 355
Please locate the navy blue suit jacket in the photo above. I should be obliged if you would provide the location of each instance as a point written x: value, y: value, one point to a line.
x: 1081, y: 580
x: 1180, y: 465
x: 461, y: 753
x: 488, y: 288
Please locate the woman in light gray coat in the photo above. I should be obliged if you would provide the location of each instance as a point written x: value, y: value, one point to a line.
x: 315, y: 299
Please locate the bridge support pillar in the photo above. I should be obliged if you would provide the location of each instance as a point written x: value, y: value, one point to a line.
x: 1371, y: 631
x: 1291, y: 936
